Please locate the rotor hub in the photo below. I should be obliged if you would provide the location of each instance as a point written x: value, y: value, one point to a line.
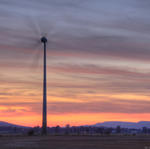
x: 44, y: 39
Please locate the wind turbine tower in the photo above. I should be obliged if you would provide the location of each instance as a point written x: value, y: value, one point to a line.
x: 44, y: 121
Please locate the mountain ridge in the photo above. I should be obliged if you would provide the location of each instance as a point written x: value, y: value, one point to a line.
x: 6, y: 124
x: 123, y: 124
x: 112, y: 124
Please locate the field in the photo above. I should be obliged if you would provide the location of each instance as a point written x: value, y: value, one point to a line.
x: 75, y: 142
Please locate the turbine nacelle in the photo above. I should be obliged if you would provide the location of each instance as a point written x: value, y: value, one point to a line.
x: 43, y: 39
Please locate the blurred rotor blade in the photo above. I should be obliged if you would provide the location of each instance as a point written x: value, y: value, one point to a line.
x: 52, y: 35
x: 36, y: 58
x: 33, y: 24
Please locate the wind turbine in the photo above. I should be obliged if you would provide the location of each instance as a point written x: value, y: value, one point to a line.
x: 44, y: 120
x: 28, y: 41
x: 44, y: 42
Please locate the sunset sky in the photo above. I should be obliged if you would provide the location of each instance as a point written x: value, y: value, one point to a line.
x: 98, y: 60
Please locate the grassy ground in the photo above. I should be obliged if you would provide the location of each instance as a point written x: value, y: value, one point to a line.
x: 75, y: 142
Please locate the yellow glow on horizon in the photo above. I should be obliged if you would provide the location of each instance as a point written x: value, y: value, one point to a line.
x: 3, y: 108
x: 74, y: 119
x: 107, y: 96
x: 130, y: 96
x: 23, y: 114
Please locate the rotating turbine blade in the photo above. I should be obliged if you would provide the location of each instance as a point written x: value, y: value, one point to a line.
x: 36, y: 58
x: 34, y: 25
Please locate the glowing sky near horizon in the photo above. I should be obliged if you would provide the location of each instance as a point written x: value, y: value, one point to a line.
x: 98, y: 58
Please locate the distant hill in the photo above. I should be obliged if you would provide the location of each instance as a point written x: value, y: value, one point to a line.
x: 5, y: 124
x: 114, y: 124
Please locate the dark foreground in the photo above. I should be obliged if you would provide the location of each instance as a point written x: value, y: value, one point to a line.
x: 75, y: 142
